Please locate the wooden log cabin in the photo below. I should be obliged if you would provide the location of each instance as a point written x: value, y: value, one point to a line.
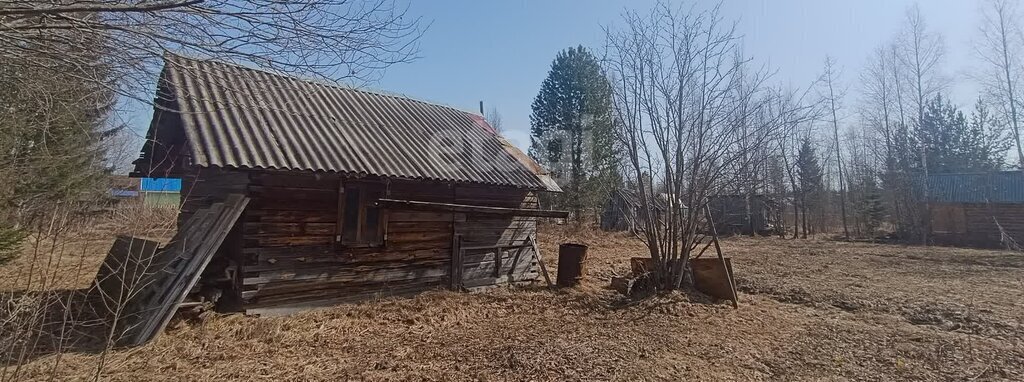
x: 352, y: 194
x: 976, y: 209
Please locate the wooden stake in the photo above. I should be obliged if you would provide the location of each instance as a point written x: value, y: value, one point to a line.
x: 543, y: 268
x: 721, y: 257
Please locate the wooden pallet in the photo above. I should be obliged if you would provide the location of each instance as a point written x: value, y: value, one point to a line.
x: 143, y: 287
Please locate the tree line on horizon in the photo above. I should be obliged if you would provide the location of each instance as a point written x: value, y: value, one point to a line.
x: 618, y: 118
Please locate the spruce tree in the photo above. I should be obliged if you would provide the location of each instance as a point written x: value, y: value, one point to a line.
x: 810, y: 175
x: 871, y: 209
x: 987, y: 139
x: 572, y: 131
x: 52, y: 126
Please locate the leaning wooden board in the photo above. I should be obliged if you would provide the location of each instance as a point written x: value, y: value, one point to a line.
x: 172, y: 272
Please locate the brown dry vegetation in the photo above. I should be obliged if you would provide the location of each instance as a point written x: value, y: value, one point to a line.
x: 810, y: 310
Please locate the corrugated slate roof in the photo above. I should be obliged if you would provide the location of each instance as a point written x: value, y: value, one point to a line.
x: 239, y: 117
x: 994, y: 187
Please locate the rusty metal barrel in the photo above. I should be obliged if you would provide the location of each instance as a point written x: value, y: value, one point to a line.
x: 571, y: 258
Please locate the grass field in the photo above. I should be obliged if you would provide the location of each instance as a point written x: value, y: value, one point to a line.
x: 810, y: 310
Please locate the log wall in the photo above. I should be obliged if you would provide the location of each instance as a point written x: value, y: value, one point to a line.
x: 287, y: 258
x: 972, y: 224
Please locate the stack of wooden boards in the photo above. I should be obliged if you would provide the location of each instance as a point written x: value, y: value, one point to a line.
x: 140, y: 285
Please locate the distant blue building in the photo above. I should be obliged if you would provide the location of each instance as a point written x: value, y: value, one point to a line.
x: 161, y: 191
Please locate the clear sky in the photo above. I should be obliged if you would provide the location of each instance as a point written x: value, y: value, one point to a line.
x: 500, y: 51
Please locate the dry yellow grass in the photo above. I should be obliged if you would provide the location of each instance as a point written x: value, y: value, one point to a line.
x: 810, y: 310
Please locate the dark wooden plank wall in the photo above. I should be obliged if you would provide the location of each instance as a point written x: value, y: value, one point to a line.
x: 289, y: 257
x: 979, y: 226
x: 483, y: 267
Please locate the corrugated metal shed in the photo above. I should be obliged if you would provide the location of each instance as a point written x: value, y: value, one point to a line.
x: 994, y: 187
x: 237, y: 117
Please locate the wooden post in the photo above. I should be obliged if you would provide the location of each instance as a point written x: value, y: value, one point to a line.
x: 456, y: 270
x: 721, y: 257
x: 543, y: 268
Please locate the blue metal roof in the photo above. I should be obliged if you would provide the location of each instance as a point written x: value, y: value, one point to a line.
x: 993, y: 187
x: 161, y: 185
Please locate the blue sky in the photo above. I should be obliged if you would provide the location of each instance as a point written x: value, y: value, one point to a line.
x: 500, y: 51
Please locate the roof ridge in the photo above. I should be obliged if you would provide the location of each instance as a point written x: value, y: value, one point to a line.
x: 315, y: 81
x: 1011, y: 171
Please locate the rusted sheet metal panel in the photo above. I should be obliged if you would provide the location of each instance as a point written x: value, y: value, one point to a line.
x: 712, y: 277
x: 238, y: 117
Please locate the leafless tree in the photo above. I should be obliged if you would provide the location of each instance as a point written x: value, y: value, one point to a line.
x: 921, y: 52
x: 337, y: 40
x: 878, y: 94
x: 882, y: 110
x: 677, y: 95
x: 797, y: 115
x: 73, y: 58
x: 493, y: 117
x: 829, y: 79
x: 1001, y: 46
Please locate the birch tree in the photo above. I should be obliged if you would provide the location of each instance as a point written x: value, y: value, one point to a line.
x: 920, y: 53
x: 829, y: 79
x: 1000, y: 47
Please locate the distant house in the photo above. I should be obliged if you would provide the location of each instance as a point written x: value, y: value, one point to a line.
x: 121, y: 188
x: 976, y: 209
x: 728, y: 211
x: 623, y: 208
x: 731, y: 215
x: 350, y: 194
x: 160, y: 191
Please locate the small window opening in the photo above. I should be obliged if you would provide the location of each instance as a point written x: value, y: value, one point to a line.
x: 359, y: 219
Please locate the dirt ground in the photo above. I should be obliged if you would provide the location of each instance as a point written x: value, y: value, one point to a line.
x: 810, y: 310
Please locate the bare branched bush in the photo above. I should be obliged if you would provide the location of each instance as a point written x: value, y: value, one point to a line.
x: 48, y: 301
x: 691, y: 106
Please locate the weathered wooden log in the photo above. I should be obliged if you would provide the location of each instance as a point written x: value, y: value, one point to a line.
x: 332, y: 258
x: 466, y: 208
x: 362, y: 273
x: 410, y: 216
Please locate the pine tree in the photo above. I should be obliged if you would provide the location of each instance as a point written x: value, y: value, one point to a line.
x: 952, y: 144
x: 572, y: 130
